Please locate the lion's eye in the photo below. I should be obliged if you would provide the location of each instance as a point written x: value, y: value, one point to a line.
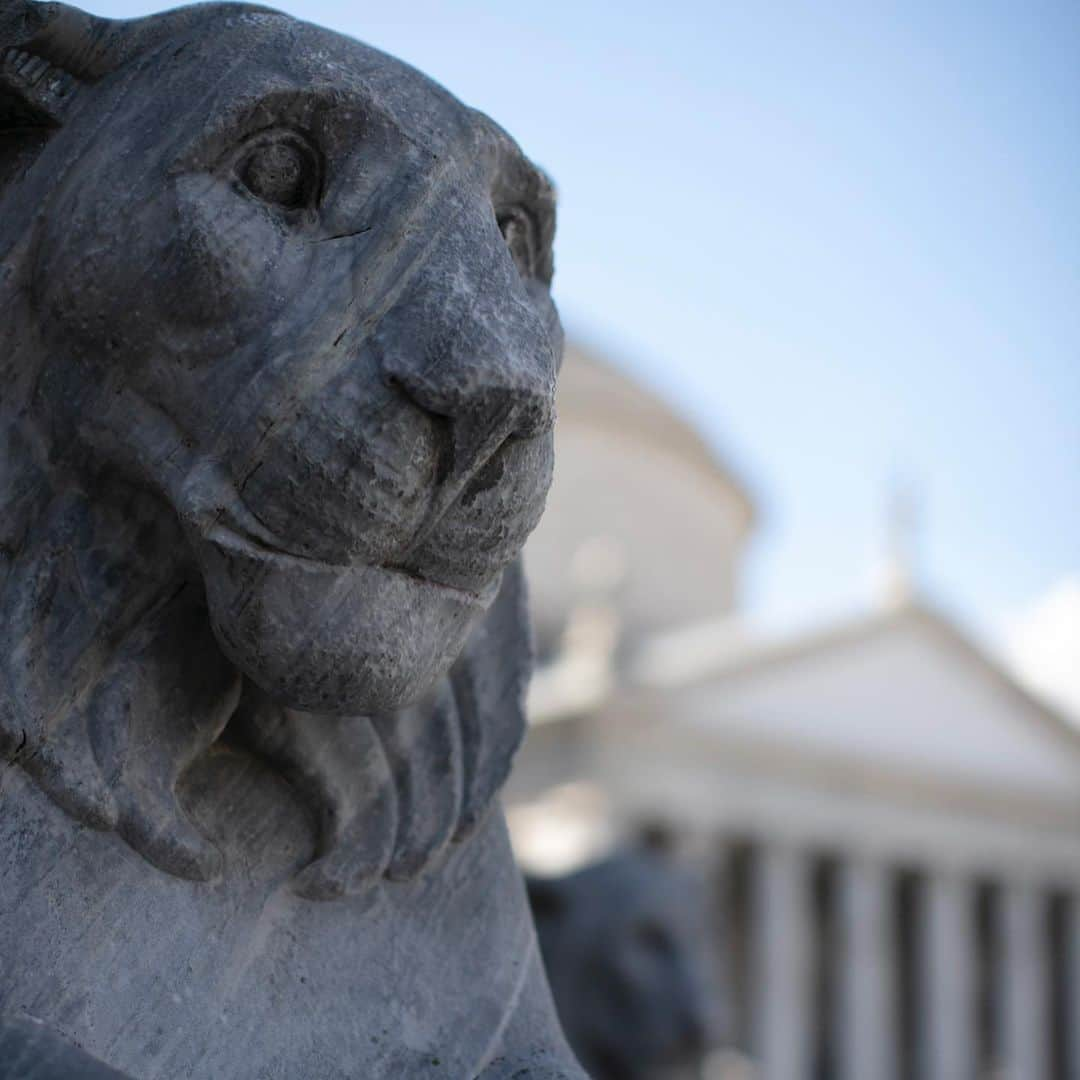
x: 517, y: 229
x: 281, y: 170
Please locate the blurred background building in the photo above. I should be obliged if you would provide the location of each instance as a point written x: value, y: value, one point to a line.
x: 891, y: 823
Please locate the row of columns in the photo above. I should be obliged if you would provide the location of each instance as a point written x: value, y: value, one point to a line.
x: 868, y: 1011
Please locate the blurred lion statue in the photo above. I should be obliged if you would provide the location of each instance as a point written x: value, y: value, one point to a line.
x: 625, y: 943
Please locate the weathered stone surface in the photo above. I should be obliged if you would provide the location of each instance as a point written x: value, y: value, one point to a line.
x: 31, y: 1050
x: 278, y: 361
x: 624, y: 944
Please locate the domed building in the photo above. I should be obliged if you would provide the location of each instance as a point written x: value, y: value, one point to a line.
x: 635, y: 485
x: 891, y: 822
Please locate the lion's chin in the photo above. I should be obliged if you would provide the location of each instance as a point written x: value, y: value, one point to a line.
x: 345, y: 640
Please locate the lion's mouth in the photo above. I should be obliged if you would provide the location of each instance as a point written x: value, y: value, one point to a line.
x: 240, y: 531
x: 459, y: 549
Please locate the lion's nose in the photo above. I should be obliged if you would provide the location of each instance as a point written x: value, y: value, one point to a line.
x: 481, y: 414
x: 475, y: 348
x: 482, y: 407
x: 480, y: 382
x: 481, y: 392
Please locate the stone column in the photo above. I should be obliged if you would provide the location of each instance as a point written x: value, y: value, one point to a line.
x: 706, y: 854
x: 867, y: 1021
x: 1025, y: 1025
x: 781, y: 1014
x: 947, y: 964
x: 1072, y: 986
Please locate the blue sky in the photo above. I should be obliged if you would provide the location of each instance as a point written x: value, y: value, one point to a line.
x: 843, y: 237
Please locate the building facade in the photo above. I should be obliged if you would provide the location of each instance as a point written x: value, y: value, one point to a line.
x: 892, y: 824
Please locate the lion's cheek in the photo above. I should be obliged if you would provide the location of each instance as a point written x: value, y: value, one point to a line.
x: 225, y: 260
x: 330, y: 639
x: 93, y: 282
x: 198, y: 264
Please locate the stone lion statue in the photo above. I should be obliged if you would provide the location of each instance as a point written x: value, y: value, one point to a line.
x: 625, y: 944
x: 278, y: 360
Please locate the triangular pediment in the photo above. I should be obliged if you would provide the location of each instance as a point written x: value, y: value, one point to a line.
x: 901, y: 693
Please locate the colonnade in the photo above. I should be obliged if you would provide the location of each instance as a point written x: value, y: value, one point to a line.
x: 929, y: 973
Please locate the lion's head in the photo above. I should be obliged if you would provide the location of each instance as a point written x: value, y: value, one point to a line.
x: 623, y: 942
x: 279, y: 364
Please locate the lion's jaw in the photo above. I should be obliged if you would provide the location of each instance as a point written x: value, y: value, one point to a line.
x: 332, y: 638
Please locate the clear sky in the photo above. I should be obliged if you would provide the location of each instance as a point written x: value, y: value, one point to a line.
x: 843, y: 236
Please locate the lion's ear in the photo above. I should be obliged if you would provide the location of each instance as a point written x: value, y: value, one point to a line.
x: 48, y: 50
x: 33, y: 93
x: 37, y: 83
